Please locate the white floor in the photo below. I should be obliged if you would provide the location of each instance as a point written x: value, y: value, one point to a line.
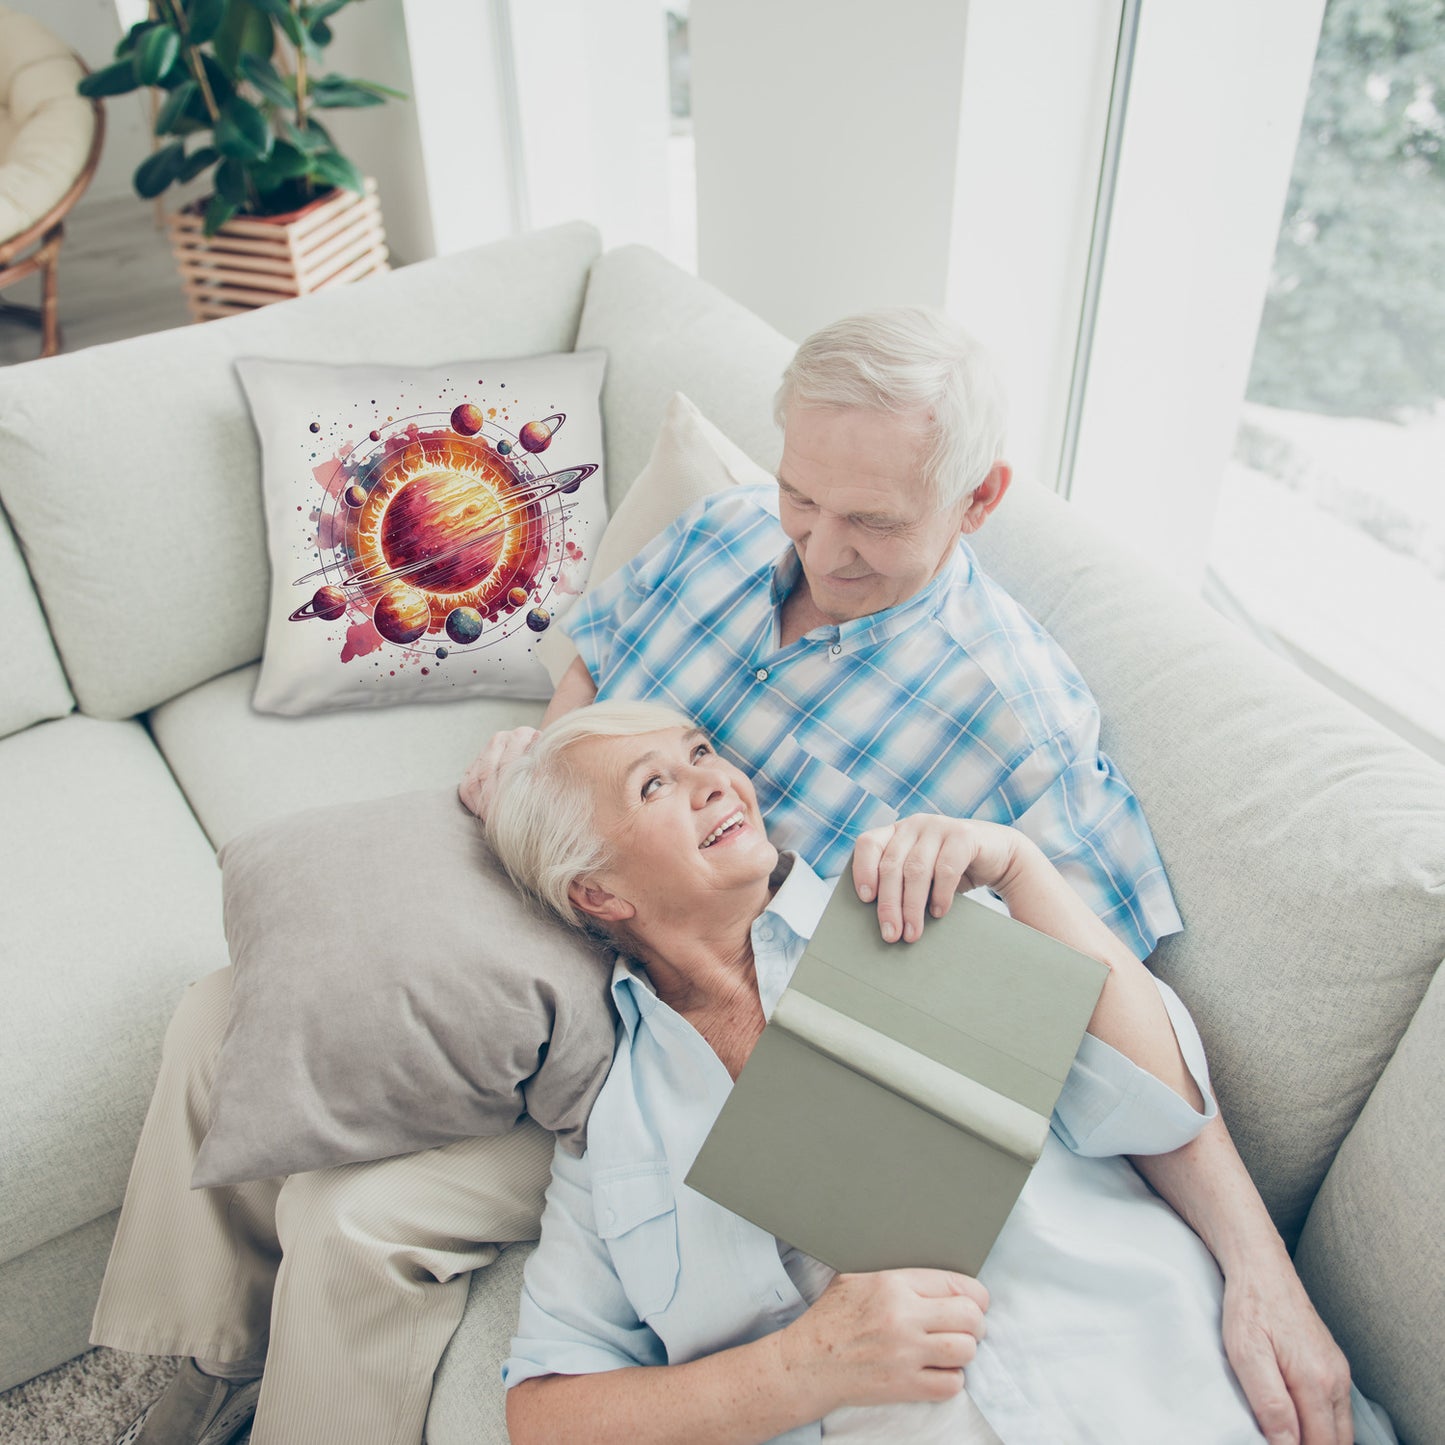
x: 117, y: 279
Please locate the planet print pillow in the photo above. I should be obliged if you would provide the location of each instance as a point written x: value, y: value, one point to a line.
x: 427, y: 526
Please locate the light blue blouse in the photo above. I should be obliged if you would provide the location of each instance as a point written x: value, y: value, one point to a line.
x: 1105, y: 1316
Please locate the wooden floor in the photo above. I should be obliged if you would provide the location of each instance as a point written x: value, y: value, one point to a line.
x: 117, y: 279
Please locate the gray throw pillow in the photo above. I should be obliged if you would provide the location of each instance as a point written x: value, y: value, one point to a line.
x: 393, y: 992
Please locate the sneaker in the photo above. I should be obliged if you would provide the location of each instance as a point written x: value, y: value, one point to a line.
x: 195, y: 1409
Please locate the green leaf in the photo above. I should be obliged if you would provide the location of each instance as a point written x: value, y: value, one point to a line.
x: 319, y: 33
x: 285, y: 17
x: 203, y: 19
x: 197, y: 161
x: 333, y: 168
x: 231, y: 182
x: 333, y: 92
x: 244, y: 31
x: 378, y: 89
x: 312, y: 140
x: 173, y: 111
x: 157, y: 52
x: 117, y: 79
x: 324, y: 11
x: 218, y: 212
x: 277, y: 88
x: 287, y: 163
x: 242, y: 132
x: 222, y: 85
x: 131, y: 38
x: 157, y: 171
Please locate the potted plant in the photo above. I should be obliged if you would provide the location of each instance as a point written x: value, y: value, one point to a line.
x: 239, y: 85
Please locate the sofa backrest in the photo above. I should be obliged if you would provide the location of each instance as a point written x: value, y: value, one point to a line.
x: 1302, y: 841
x: 34, y: 688
x: 150, y: 590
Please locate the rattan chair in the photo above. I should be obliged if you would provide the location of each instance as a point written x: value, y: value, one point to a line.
x: 50, y: 139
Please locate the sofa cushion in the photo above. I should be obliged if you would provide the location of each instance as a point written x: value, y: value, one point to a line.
x: 1372, y: 1254
x: 110, y: 906
x: 239, y: 767
x: 1301, y: 840
x: 165, y: 584
x: 35, y: 687
x: 665, y: 331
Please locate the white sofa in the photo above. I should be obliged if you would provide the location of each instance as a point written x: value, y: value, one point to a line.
x: 1306, y: 846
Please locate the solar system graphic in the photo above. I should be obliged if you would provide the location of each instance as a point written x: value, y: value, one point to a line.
x: 439, y: 534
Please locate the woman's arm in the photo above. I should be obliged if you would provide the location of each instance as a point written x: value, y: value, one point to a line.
x: 903, y: 1334
x: 917, y: 865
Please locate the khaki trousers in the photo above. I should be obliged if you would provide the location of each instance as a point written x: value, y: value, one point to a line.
x: 349, y: 1281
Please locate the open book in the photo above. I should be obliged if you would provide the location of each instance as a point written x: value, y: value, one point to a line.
x: 892, y: 1109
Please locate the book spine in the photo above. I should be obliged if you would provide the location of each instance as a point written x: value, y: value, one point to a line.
x: 953, y: 1097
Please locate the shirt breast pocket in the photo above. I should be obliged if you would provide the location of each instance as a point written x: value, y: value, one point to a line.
x: 816, y: 809
x: 636, y: 1213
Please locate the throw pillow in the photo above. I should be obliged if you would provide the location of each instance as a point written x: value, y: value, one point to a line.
x: 691, y: 459
x: 368, y: 1021
x: 425, y: 525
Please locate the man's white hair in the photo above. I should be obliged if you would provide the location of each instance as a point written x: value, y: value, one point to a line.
x: 542, y: 820
x: 908, y: 360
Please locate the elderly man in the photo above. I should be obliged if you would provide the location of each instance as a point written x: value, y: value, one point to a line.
x: 838, y: 640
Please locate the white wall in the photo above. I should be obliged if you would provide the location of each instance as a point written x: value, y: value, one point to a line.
x: 826, y: 141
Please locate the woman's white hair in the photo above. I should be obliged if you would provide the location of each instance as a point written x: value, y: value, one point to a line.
x: 908, y: 360
x: 542, y: 819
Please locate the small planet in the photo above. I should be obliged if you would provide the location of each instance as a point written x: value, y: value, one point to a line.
x: 374, y: 435
x: 517, y: 596
x: 329, y: 602
x: 441, y: 653
x: 539, y: 619
x: 402, y: 614
x: 504, y: 448
x: 316, y: 426
x: 464, y: 625
x: 354, y: 495
x: 536, y: 436
x: 467, y: 419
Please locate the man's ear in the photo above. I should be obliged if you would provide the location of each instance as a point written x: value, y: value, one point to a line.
x: 595, y: 901
x: 986, y: 496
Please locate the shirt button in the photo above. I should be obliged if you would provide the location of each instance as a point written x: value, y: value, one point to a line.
x: 761, y: 674
x: 836, y: 648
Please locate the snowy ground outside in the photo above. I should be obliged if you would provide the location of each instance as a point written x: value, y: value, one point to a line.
x: 1331, y: 533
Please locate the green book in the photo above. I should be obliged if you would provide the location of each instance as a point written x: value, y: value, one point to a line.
x: 900, y: 1094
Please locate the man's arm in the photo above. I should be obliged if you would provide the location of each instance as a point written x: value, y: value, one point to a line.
x: 575, y: 690
x: 1295, y: 1377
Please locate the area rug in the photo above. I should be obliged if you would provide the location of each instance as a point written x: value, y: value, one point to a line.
x: 88, y: 1401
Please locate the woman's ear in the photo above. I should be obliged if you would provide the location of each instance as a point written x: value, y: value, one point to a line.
x: 595, y: 901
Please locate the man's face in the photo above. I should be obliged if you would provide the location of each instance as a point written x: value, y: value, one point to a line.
x: 852, y: 499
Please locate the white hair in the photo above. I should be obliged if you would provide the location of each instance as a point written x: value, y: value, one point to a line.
x: 908, y: 360
x: 542, y: 819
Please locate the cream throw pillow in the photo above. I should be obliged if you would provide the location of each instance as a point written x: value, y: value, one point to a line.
x: 691, y: 459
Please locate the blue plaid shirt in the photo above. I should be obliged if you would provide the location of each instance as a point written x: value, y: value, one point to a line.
x: 954, y: 702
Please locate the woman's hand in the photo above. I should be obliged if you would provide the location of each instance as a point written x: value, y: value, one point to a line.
x: 475, y: 788
x: 918, y: 864
x: 899, y: 1334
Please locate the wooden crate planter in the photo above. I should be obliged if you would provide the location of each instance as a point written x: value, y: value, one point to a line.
x: 255, y: 260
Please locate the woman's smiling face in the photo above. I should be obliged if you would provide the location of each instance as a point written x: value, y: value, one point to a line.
x: 680, y: 822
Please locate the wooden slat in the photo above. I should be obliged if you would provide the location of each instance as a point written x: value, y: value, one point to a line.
x: 322, y: 262
x: 196, y: 256
x: 210, y: 278
x: 367, y: 245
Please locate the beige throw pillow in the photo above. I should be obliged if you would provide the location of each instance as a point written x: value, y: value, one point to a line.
x: 691, y: 459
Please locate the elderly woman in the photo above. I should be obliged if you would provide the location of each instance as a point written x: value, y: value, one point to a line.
x: 654, y: 1314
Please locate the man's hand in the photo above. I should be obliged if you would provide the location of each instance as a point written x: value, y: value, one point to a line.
x: 475, y: 788
x: 1295, y: 1377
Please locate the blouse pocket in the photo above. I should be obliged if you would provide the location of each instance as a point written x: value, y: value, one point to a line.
x: 637, y: 1216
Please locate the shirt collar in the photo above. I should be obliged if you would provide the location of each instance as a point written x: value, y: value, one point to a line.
x: 878, y: 626
x: 780, y: 932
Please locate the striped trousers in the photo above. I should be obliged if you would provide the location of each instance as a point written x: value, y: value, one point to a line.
x: 348, y: 1281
